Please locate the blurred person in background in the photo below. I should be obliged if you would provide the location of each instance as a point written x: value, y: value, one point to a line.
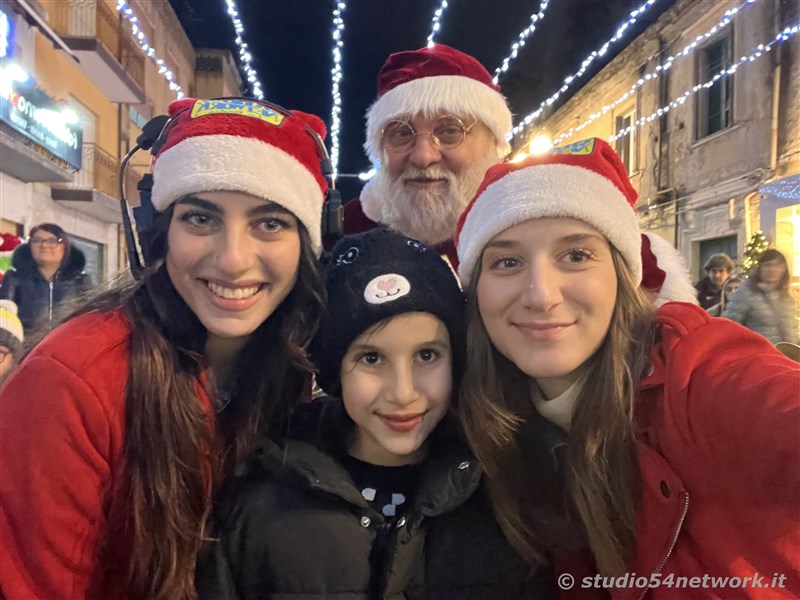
x: 11, y: 337
x: 764, y: 303
x: 45, y: 272
x: 729, y: 288
x: 718, y: 268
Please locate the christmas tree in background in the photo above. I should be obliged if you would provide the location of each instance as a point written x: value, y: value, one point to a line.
x: 752, y: 251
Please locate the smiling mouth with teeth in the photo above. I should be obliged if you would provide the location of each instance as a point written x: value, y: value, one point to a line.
x: 233, y: 293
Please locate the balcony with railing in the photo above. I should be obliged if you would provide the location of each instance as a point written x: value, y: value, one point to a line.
x: 108, y: 54
x: 94, y: 189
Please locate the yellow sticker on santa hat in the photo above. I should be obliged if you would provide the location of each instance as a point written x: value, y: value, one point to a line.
x: 583, y: 147
x: 237, y: 106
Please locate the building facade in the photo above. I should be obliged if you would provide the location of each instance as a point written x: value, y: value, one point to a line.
x: 723, y: 160
x: 76, y: 89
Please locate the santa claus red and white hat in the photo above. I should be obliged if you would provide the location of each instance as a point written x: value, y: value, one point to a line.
x: 586, y: 181
x: 244, y: 146
x: 433, y: 80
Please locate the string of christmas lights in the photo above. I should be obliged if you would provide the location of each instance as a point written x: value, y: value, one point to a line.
x: 634, y: 16
x: 436, y: 25
x: 727, y: 18
x: 127, y: 12
x: 244, y: 54
x: 336, y: 75
x: 760, y: 50
x: 524, y: 35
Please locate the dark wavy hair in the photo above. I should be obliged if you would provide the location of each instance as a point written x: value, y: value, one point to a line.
x: 173, y: 461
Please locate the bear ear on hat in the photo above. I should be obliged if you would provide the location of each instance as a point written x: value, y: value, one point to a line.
x: 312, y: 121
x: 179, y: 105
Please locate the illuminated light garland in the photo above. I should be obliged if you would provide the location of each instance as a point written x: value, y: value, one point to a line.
x: 336, y: 76
x: 759, y: 51
x: 244, y: 54
x: 127, y: 12
x: 634, y: 16
x: 524, y: 35
x: 786, y: 187
x: 436, y: 25
x: 657, y: 72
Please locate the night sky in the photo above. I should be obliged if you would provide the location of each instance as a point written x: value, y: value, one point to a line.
x: 291, y: 43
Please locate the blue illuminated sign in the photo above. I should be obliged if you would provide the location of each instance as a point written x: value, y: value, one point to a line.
x: 7, y: 30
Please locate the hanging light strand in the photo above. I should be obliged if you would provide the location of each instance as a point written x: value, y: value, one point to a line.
x: 657, y: 72
x: 436, y: 23
x: 245, y: 58
x: 759, y: 51
x: 127, y: 12
x: 336, y: 76
x: 523, y: 36
x: 595, y: 54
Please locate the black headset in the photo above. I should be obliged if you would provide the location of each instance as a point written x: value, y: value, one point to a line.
x: 153, y: 137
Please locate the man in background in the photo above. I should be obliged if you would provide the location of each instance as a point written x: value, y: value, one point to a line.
x: 718, y: 268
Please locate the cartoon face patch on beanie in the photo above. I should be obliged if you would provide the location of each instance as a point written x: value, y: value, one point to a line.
x: 376, y: 275
x: 386, y: 288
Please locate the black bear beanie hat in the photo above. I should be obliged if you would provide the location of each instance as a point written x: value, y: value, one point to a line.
x: 376, y: 275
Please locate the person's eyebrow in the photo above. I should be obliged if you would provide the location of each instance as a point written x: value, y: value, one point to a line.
x: 269, y: 207
x: 201, y: 203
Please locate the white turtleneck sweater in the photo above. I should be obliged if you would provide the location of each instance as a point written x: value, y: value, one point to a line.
x: 559, y: 409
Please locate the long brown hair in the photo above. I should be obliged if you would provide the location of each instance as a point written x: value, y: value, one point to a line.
x: 592, y: 502
x: 173, y: 460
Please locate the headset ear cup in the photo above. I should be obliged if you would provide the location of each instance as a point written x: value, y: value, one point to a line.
x: 144, y: 215
x: 332, y: 215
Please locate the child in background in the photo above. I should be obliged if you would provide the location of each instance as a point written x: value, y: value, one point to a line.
x: 10, y: 339
x: 376, y: 494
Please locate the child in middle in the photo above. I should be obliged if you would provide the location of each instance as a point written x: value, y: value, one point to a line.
x: 375, y: 493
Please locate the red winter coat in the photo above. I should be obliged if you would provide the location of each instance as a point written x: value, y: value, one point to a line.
x: 718, y: 447
x: 355, y: 221
x: 62, y: 424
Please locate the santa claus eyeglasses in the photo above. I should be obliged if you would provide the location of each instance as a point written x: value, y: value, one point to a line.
x: 448, y: 132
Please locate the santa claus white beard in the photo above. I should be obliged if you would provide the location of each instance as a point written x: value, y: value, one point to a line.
x: 429, y: 215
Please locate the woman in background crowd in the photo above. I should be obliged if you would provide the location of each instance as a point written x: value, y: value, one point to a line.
x: 764, y: 303
x: 46, y: 271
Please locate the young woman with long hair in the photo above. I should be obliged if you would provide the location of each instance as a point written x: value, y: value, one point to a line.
x: 618, y: 438
x: 118, y: 427
x: 764, y: 303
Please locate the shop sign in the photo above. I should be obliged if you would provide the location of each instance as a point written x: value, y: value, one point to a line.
x: 28, y: 109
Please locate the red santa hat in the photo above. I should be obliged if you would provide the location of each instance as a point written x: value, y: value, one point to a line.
x: 244, y: 146
x: 9, y: 241
x: 586, y: 181
x: 664, y: 272
x: 434, y: 80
